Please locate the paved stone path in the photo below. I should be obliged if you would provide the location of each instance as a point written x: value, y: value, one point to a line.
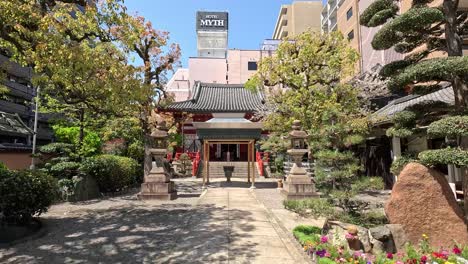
x: 248, y: 233
x: 225, y: 225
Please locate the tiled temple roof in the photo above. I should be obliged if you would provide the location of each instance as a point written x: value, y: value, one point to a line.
x: 12, y: 125
x: 444, y: 95
x: 219, y: 98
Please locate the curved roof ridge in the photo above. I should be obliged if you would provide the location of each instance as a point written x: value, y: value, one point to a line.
x: 215, y: 97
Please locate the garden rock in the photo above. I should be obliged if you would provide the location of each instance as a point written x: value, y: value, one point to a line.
x: 377, y: 246
x: 382, y: 239
x: 338, y: 231
x: 399, y: 238
x: 423, y: 203
x: 381, y: 233
x: 86, y: 188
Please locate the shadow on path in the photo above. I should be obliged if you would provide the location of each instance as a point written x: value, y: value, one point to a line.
x: 132, y: 234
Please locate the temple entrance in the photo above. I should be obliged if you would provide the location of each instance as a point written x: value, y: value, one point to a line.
x: 228, y: 152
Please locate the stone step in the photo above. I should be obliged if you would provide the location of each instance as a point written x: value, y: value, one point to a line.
x: 240, y: 169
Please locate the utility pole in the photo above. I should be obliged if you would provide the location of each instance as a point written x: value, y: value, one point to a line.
x: 36, y: 115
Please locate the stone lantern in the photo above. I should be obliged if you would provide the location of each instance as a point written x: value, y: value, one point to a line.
x: 158, y: 184
x: 298, y: 184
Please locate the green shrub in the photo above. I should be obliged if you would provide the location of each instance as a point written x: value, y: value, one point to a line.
x: 448, y: 155
x: 399, y: 163
x: 57, y: 148
x: 91, y: 144
x: 452, y: 126
x: 305, y: 234
x: 3, y: 167
x: 368, y: 184
x: 65, y: 169
x: 367, y: 219
x: 314, y: 207
x: 24, y: 194
x: 136, y: 150
x: 112, y: 173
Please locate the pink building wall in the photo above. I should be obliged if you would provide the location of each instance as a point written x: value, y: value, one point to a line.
x: 231, y: 70
x: 179, y: 85
x: 238, y: 60
x: 210, y: 70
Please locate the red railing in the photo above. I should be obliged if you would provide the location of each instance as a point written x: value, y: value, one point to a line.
x: 191, y: 155
x: 196, y: 163
x: 261, y: 158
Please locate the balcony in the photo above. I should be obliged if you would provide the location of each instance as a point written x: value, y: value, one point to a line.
x: 19, y: 90
x: 10, y: 107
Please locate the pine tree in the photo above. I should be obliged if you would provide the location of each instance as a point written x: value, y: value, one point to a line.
x: 417, y: 33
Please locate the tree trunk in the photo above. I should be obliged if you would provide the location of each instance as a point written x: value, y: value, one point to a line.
x: 460, y: 85
x: 81, y: 135
x: 455, y: 48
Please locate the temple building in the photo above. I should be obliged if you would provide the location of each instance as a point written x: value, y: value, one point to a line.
x: 222, y: 127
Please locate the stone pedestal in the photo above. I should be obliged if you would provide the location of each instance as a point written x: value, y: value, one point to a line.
x: 157, y: 185
x: 298, y: 185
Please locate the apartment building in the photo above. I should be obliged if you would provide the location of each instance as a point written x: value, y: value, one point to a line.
x: 297, y: 17
x: 17, y: 116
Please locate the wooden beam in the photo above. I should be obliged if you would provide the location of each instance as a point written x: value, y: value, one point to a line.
x: 248, y: 162
x: 208, y: 162
x: 205, y: 162
x: 253, y: 163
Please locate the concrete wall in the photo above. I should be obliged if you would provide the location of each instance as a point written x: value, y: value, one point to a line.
x: 16, y: 160
x: 346, y: 26
x: 305, y: 15
x: 211, y: 70
x: 297, y: 17
x: 417, y: 144
x: 238, y: 65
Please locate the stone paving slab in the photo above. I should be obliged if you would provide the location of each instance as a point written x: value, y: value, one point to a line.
x: 224, y: 225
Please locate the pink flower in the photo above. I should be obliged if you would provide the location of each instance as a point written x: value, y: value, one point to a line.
x: 399, y: 262
x: 327, y: 255
x: 349, y: 236
x: 389, y: 255
x: 423, y: 259
x: 324, y: 239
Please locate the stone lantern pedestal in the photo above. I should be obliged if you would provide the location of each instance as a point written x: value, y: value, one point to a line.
x: 158, y: 185
x: 298, y: 184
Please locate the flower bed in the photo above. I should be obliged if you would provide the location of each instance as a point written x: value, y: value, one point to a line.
x: 319, y: 247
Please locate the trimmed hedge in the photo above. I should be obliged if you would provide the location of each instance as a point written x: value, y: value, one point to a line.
x: 449, y: 155
x: 112, y: 173
x: 24, y: 194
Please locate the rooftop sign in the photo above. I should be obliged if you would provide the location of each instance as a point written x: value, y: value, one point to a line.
x: 212, y: 21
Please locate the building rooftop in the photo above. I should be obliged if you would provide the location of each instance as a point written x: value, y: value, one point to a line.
x: 220, y: 98
x: 444, y: 95
x: 12, y: 125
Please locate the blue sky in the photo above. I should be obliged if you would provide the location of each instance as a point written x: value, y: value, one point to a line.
x: 250, y: 21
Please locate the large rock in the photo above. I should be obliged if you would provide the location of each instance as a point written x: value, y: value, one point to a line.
x: 423, y: 203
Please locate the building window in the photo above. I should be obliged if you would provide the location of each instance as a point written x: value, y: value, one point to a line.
x: 252, y: 66
x: 351, y: 35
x: 349, y: 13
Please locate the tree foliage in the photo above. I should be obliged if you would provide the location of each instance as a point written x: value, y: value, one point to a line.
x: 311, y: 66
x: 452, y: 126
x: 419, y: 32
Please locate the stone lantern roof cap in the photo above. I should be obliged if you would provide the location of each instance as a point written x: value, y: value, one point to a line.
x: 161, y: 131
x: 297, y: 132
